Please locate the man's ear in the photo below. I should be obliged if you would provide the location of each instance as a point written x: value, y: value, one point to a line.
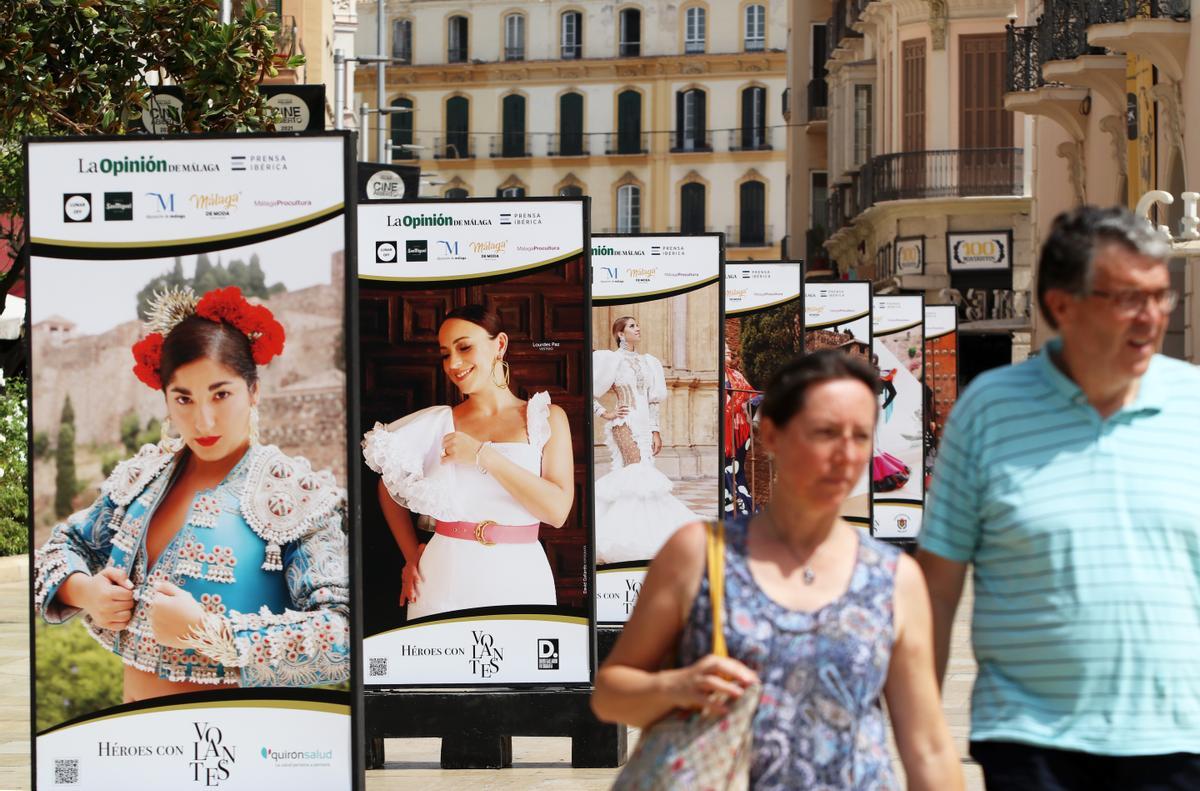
x: 1060, y: 304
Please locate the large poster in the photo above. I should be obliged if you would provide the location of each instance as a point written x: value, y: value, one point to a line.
x: 474, y: 356
x: 191, y: 586
x: 897, y: 463
x: 656, y: 352
x: 764, y: 328
x: 941, y: 376
x: 837, y: 315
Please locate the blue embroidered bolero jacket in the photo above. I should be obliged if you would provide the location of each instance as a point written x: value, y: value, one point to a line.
x: 265, y: 550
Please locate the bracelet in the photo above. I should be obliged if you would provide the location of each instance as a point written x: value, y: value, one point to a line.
x: 482, y: 445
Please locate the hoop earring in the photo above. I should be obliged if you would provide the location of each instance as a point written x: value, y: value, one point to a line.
x: 254, y: 425
x: 169, y: 443
x: 621, y: 344
x: 504, y: 366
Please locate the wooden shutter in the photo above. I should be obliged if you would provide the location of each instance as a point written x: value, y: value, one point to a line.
x: 983, y: 123
x: 691, y: 203
x: 457, y: 115
x: 752, y: 214
x: 629, y: 122
x: 570, y: 119
x: 912, y: 88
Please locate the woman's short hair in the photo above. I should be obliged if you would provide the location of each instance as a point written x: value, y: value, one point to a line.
x: 619, y: 327
x: 786, y: 393
x: 196, y: 337
x: 479, y: 316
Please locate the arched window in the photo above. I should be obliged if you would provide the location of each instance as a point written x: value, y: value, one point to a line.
x: 572, y: 35
x: 629, y: 209
x: 514, y: 37
x: 691, y: 208
x: 630, y: 45
x: 754, y: 118
x: 458, y: 132
x: 752, y: 196
x: 755, y: 28
x: 691, y: 111
x: 455, y: 192
x: 456, y: 52
x: 570, y: 124
x: 629, y: 122
x: 510, y: 192
x: 571, y: 191
x: 402, y: 40
x: 694, y: 30
x: 402, y: 129
x: 512, y: 142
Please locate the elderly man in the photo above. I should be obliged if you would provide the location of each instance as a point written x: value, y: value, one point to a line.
x: 1069, y: 483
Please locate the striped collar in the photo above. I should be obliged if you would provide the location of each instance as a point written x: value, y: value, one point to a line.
x: 1152, y: 393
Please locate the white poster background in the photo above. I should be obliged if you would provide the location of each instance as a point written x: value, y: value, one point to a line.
x: 244, y: 744
x: 427, y: 241
x: 842, y: 307
x: 900, y: 429
x: 751, y: 287
x: 940, y: 320
x: 178, y: 192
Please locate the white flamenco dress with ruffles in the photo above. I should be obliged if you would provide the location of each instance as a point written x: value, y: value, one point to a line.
x: 635, y: 510
x: 458, y: 574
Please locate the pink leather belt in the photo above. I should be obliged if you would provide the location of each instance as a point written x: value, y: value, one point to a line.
x: 488, y: 532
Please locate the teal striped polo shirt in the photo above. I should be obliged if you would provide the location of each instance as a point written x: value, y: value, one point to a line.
x: 1084, y: 535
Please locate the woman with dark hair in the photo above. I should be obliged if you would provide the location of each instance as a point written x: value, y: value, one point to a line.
x: 827, y: 619
x: 490, y: 471
x: 635, y: 511
x: 208, y: 559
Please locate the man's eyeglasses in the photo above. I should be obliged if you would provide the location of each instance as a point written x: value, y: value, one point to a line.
x: 1130, y: 301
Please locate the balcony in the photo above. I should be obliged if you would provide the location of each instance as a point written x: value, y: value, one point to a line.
x: 572, y: 144
x: 510, y: 145
x: 751, y: 138
x: 514, y: 53
x: 629, y: 49
x: 456, y: 55
x: 1026, y: 87
x: 691, y: 141
x: 737, y: 236
x: 1153, y: 29
x: 454, y: 146
x: 818, y: 101
x: 571, y: 51
x: 838, y: 29
x: 626, y: 143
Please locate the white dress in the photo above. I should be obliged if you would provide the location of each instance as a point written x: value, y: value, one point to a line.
x: 458, y: 574
x: 635, y: 510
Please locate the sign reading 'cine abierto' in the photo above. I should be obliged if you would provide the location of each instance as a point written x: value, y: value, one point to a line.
x: 188, y: 310
x: 657, y: 309
x: 473, y: 342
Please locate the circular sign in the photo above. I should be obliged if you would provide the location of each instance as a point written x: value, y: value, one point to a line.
x: 385, y: 252
x: 385, y: 184
x: 293, y: 112
x: 163, y: 114
x: 77, y: 208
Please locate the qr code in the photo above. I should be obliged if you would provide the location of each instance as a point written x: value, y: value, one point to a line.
x: 377, y: 666
x: 66, y: 772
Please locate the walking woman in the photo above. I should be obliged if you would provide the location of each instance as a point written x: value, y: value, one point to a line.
x: 829, y: 620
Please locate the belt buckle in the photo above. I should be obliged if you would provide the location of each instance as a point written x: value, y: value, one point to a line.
x: 480, y: 535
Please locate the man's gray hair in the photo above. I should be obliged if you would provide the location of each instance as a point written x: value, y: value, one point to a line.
x: 1069, y: 252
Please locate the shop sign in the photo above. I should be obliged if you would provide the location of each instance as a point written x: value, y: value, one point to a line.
x: 979, y: 250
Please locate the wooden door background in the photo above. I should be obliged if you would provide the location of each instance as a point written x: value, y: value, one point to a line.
x: 543, y: 314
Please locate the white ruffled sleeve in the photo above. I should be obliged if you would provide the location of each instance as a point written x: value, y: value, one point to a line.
x: 407, y: 455
x: 656, y: 388
x: 537, y: 419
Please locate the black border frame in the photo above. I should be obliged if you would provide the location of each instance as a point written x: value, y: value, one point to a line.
x: 350, y: 336
x: 952, y: 270
x: 896, y: 244
x: 589, y: 555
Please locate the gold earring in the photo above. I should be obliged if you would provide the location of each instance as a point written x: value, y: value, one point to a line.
x: 507, y: 373
x: 169, y: 443
x: 254, y: 424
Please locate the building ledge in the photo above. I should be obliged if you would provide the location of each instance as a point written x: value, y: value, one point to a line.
x: 1163, y: 41
x: 1058, y: 103
x: 1102, y: 74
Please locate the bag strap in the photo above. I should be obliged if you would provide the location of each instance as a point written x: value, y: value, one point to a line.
x: 716, y: 584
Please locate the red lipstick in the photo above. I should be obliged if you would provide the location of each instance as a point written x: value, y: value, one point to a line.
x: 207, y: 442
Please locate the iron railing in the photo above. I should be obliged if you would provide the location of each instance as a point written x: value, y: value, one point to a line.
x: 1103, y: 11
x: 571, y: 144
x: 572, y: 51
x: 456, y: 54
x: 1023, y: 64
x: 950, y: 173
x: 629, y: 49
x: 838, y: 27
x: 1062, y: 30
x: 514, y: 53
x: 510, y: 144
x: 751, y: 138
x: 689, y: 229
x: 691, y: 140
x: 626, y: 143
x: 818, y: 100
x: 454, y: 146
x: 739, y: 236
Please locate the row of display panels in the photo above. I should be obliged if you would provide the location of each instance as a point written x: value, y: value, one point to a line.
x: 614, y: 378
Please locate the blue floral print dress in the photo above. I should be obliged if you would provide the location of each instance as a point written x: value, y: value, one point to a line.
x: 819, y: 724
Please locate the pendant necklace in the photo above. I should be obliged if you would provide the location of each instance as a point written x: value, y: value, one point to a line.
x: 807, y: 574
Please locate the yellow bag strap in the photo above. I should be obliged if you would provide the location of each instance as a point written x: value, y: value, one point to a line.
x: 716, y: 584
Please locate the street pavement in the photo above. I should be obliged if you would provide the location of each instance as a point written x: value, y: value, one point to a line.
x: 538, y: 763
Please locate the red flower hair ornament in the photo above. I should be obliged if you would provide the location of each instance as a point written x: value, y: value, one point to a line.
x: 227, y: 305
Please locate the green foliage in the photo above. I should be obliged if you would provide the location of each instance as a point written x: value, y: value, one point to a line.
x: 81, y: 67
x: 250, y: 278
x: 130, y: 427
x: 41, y: 445
x: 14, y: 497
x: 769, y: 339
x: 65, y: 484
x: 109, y: 462
x: 151, y: 435
x: 75, y: 674
x: 68, y: 413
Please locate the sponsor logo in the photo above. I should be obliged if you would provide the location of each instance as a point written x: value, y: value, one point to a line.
x: 655, y: 249
x: 385, y: 252
x: 163, y: 114
x: 162, y: 205
x: 506, y: 218
x: 486, y: 656
x: 384, y: 185
x: 293, y: 112
x: 215, y: 204
x: 448, y: 251
x: 427, y: 220
x: 489, y: 249
x: 607, y: 250
x: 547, y: 653
x: 416, y: 250
x: 212, y: 760
x: 520, y: 218
x: 77, y: 207
x: 237, y: 162
x: 902, y: 523
x: 633, y: 589
x: 281, y: 203
x: 145, y: 164
x: 642, y: 275
x: 297, y: 758
x: 257, y: 162
x: 610, y: 274
x: 118, y: 206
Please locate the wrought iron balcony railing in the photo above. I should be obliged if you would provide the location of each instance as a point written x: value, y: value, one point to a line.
x: 571, y: 51
x: 838, y: 27
x: 510, y: 144
x: 570, y: 144
x: 1062, y: 30
x: 1023, y: 65
x: 743, y: 236
x: 626, y: 143
x: 818, y: 100
x: 683, y: 141
x: 514, y: 53
x: 752, y: 138
x: 454, y: 146
x: 1103, y: 11
x: 456, y: 54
